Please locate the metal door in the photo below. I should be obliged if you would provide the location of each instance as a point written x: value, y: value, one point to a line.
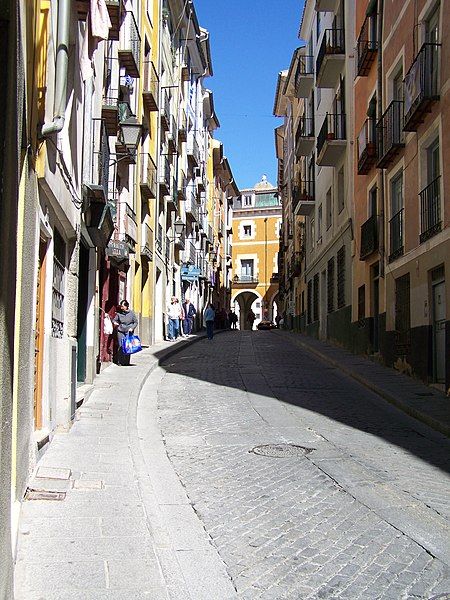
x: 438, y: 292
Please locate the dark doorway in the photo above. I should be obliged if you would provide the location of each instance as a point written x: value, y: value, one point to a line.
x: 83, y: 287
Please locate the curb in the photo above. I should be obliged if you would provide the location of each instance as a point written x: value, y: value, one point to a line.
x: 412, y: 412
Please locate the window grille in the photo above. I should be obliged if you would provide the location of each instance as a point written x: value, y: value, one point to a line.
x: 341, y: 277
x: 330, y: 285
x: 59, y: 255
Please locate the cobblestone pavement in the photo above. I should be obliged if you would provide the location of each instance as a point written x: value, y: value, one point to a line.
x: 364, y: 515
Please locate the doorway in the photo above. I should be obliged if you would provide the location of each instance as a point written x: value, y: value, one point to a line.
x: 323, y: 306
x: 159, y: 312
x: 438, y: 321
x: 39, y: 333
x: 375, y: 269
x: 83, y: 298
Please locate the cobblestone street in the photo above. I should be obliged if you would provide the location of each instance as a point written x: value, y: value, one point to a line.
x: 362, y: 513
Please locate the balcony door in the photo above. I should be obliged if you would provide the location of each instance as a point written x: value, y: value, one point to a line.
x: 246, y: 270
x: 432, y: 37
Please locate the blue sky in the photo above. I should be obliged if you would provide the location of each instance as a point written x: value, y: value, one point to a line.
x: 251, y: 41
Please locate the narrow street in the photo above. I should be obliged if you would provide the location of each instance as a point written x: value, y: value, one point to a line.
x: 242, y: 467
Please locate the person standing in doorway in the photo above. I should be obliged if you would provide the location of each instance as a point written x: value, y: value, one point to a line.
x: 125, y: 322
x: 174, y: 315
x: 208, y: 318
x: 232, y: 319
x: 251, y: 317
x: 189, y: 313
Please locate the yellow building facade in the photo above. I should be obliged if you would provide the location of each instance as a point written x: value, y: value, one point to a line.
x: 257, y: 217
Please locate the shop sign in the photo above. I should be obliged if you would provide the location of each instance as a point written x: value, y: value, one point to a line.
x: 190, y: 273
x: 118, y: 250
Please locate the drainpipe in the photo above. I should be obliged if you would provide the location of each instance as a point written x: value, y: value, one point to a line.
x: 379, y: 115
x: 62, y: 63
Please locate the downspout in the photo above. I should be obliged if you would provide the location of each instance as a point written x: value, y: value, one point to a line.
x: 379, y: 115
x: 62, y: 63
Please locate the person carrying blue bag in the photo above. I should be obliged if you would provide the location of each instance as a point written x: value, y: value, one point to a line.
x: 125, y: 322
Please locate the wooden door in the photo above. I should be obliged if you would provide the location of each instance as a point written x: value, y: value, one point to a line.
x: 39, y: 334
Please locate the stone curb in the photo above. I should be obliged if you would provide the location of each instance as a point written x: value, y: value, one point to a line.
x: 383, y: 393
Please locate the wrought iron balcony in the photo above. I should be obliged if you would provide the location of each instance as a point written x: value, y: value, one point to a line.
x: 367, y: 46
x: 330, y: 58
x: 430, y: 210
x: 150, y: 88
x: 190, y: 253
x: 369, y: 237
x: 129, y: 55
x: 303, y: 198
x: 182, y: 127
x: 191, y: 206
x: 110, y: 110
x: 245, y: 280
x: 304, y: 76
x: 421, y: 86
x: 331, y: 141
x: 165, y: 111
x: 390, y: 133
x: 167, y: 249
x: 181, y: 186
x: 159, y: 239
x: 193, y: 152
x: 148, y: 180
x: 396, y: 239
x: 295, y: 266
x: 95, y: 189
x: 304, y: 137
x: 172, y: 136
x: 366, y: 147
x: 164, y: 176
x: 147, y: 241
x: 116, y: 11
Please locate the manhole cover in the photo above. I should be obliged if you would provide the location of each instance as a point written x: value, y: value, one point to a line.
x: 281, y: 450
x: 44, y: 495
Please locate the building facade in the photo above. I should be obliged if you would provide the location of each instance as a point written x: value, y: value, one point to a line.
x: 257, y: 217
x: 360, y: 158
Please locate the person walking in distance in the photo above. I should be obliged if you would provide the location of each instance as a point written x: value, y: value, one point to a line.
x: 251, y: 318
x: 125, y: 322
x: 174, y: 315
x: 232, y: 319
x: 208, y: 318
x: 189, y: 313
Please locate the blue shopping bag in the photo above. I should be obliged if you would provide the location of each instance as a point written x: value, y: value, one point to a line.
x: 131, y: 344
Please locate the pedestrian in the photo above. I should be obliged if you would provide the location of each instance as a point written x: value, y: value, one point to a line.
x: 208, y: 318
x: 189, y: 313
x: 174, y: 315
x: 251, y: 317
x: 232, y: 319
x: 124, y: 322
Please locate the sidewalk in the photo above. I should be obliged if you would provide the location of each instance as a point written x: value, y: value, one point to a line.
x: 87, y: 530
x: 410, y: 395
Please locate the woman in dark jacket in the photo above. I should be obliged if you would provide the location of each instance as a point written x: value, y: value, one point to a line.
x: 125, y: 322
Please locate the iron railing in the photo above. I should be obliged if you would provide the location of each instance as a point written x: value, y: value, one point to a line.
x: 193, y: 150
x: 305, y: 128
x: 305, y: 66
x: 366, y: 146
x: 367, y: 45
x: 99, y: 175
x: 430, y: 210
x: 132, y: 43
x: 159, y: 239
x: 390, y: 133
x: 396, y: 235
x: 333, y: 128
x: 148, y: 175
x: 421, y: 85
x: 333, y: 42
x: 150, y: 88
x: 369, y: 237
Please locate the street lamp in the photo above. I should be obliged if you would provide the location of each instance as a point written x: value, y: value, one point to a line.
x: 131, y: 131
x: 179, y: 227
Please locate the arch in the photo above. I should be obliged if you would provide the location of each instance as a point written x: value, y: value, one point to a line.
x: 245, y: 299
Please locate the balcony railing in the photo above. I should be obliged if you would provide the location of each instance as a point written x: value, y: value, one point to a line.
x: 390, y: 133
x: 150, y: 89
x: 369, y: 237
x: 430, y: 210
x: 164, y: 175
x: 129, y: 55
x: 193, y: 152
x: 245, y: 279
x: 168, y: 249
x: 146, y: 241
x: 181, y: 186
x: 148, y: 176
x: 191, y: 206
x: 172, y: 136
x: 182, y: 127
x: 304, y: 137
x: 304, y: 76
x: 367, y: 46
x: 159, y: 239
x: 165, y: 111
x: 421, y: 85
x: 366, y: 147
x: 330, y: 140
x: 97, y: 184
x: 190, y: 253
x: 303, y: 198
x: 110, y: 110
x: 330, y: 58
x: 396, y: 235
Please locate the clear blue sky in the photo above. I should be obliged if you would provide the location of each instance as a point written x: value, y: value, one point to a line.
x: 251, y: 42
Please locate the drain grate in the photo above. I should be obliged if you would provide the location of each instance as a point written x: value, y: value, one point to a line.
x: 44, y: 495
x: 281, y: 450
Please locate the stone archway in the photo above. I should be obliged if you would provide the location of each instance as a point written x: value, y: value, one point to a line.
x: 244, y: 301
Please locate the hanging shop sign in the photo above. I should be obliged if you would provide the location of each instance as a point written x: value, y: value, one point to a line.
x: 190, y: 273
x: 118, y: 250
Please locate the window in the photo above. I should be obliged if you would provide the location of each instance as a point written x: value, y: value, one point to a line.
x: 397, y: 86
x: 361, y: 302
x: 313, y: 233
x: 341, y: 277
x: 396, y: 221
x: 59, y: 259
x: 329, y: 209
x: 430, y: 196
x: 330, y: 285
x: 246, y: 270
x: 340, y: 190
x: 318, y: 26
x: 319, y: 224
x: 247, y: 230
x: 247, y: 200
x: 373, y: 203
